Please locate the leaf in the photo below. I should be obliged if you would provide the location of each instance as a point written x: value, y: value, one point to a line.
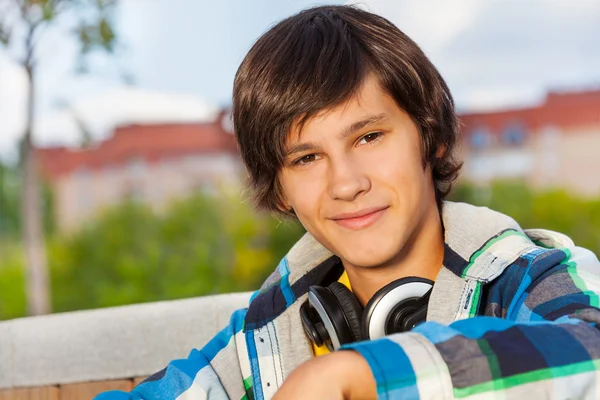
x: 85, y: 35
x: 99, y: 35
x: 5, y: 35
x: 107, y: 34
x: 48, y: 10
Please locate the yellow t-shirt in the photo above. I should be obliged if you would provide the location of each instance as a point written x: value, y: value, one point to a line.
x: 320, y: 350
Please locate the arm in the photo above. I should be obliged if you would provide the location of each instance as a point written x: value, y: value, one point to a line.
x: 194, y: 376
x: 547, y: 347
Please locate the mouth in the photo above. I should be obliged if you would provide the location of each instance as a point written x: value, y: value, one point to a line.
x: 359, y: 219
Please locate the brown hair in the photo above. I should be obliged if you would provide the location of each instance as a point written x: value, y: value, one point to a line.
x: 316, y: 60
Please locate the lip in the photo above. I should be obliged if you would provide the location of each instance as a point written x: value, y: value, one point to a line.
x: 359, y: 219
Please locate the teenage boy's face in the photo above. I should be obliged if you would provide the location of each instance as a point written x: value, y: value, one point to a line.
x: 355, y: 179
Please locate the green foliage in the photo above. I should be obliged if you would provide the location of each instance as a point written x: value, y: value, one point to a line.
x: 99, y: 34
x: 5, y: 34
x: 205, y: 245
x: 555, y: 210
x: 199, y: 246
x: 12, y: 282
x: 10, y: 203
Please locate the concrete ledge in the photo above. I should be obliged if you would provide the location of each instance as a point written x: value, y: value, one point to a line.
x: 110, y: 343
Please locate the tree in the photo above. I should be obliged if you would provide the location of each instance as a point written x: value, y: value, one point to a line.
x: 22, y: 26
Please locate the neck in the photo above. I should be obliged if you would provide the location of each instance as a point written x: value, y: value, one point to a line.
x: 422, y: 256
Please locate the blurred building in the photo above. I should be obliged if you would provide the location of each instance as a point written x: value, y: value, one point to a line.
x: 153, y: 164
x: 553, y: 145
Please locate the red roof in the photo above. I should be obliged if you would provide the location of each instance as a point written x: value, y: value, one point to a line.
x: 154, y: 142
x: 148, y: 142
x: 565, y: 111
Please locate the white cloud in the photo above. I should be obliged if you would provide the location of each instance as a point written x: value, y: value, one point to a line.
x: 118, y: 106
x: 127, y: 104
x: 100, y: 112
x: 489, y: 98
x: 503, y: 53
x: 431, y: 23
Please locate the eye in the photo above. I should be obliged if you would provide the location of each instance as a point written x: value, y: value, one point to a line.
x: 370, y: 138
x: 305, y: 160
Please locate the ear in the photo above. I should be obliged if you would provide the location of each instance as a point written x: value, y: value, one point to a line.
x: 285, y: 207
x: 283, y: 204
x: 289, y: 211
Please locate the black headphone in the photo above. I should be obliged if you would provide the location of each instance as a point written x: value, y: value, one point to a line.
x: 333, y: 316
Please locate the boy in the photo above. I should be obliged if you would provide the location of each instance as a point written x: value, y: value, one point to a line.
x: 344, y: 123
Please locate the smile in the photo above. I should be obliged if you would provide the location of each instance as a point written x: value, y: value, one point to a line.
x: 360, y: 219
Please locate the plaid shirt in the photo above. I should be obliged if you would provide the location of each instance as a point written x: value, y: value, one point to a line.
x: 513, y: 315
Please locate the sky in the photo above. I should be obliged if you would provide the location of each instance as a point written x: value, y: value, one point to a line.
x: 181, y: 57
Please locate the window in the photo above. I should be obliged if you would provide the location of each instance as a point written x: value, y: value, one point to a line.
x: 480, y: 138
x: 513, y: 134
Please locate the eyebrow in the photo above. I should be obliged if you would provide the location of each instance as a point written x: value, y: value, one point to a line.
x: 358, y: 125
x: 353, y: 128
x: 301, y: 147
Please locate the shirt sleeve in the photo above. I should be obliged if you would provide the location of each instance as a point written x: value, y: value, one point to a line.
x: 546, y: 346
x: 192, y: 377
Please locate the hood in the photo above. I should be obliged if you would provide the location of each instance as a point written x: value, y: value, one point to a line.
x: 479, y: 244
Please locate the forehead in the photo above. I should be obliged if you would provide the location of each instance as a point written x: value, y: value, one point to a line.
x: 370, y: 102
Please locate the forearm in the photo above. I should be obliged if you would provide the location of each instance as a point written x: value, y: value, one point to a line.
x: 480, y: 355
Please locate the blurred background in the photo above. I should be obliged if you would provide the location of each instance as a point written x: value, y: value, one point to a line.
x: 120, y: 181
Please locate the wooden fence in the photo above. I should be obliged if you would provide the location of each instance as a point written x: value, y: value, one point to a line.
x: 74, y: 391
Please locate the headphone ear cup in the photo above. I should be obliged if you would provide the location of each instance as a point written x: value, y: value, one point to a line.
x: 350, y: 306
x: 400, y: 296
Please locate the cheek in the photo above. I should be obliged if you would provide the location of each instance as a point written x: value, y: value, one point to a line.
x: 303, y: 196
x: 397, y: 170
x: 308, y: 212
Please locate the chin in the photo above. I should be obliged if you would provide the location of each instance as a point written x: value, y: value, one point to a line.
x: 377, y: 255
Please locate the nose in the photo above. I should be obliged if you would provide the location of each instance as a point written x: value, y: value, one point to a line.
x: 347, y: 180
